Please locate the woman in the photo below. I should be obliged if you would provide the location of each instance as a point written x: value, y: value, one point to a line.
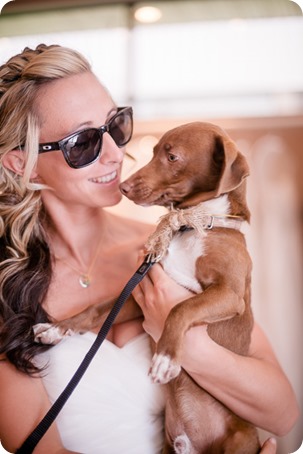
x: 62, y: 251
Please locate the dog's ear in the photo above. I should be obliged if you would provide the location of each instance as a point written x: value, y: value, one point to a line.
x: 234, y: 167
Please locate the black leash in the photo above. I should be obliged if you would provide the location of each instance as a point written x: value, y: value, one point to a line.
x: 34, y: 438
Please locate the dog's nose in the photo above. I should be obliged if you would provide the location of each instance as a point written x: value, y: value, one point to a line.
x: 125, y: 187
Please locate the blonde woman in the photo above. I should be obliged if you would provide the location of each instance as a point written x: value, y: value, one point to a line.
x: 62, y: 143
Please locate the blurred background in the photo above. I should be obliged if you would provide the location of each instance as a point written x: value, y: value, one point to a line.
x: 237, y: 63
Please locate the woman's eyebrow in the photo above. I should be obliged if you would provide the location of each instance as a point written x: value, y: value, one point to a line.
x: 88, y: 123
x: 114, y: 110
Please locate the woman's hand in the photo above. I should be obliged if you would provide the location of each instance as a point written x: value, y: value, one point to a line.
x: 156, y: 295
x: 269, y: 446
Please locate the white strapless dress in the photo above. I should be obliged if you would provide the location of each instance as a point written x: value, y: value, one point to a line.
x: 115, y: 408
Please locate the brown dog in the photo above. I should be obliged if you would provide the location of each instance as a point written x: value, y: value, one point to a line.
x: 198, y: 172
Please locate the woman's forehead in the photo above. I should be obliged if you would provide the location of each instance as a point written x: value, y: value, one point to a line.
x: 67, y: 105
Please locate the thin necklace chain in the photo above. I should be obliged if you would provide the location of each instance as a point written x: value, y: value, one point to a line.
x: 85, y: 279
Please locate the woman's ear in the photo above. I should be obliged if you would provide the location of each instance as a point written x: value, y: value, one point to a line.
x: 14, y: 161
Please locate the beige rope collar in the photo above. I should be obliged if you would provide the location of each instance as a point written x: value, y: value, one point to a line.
x: 195, y: 218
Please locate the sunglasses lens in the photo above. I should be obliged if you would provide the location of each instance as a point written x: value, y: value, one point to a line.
x: 121, y: 127
x: 83, y: 148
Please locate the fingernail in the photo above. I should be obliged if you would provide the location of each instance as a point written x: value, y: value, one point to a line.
x: 273, y: 441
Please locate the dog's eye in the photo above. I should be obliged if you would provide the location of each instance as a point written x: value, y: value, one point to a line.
x: 172, y: 157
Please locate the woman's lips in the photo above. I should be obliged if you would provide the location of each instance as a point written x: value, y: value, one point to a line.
x: 106, y: 178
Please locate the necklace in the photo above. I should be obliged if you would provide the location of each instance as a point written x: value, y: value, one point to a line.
x: 85, y: 279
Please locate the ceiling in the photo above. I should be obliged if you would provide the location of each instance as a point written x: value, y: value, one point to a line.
x: 39, y: 5
x: 252, y: 7
x: 19, y: 6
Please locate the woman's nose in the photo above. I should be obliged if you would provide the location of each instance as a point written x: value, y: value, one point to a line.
x: 110, y: 151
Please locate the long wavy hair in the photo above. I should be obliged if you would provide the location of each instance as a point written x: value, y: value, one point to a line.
x: 25, y: 259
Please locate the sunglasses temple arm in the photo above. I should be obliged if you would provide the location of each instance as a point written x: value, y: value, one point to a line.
x: 44, y: 148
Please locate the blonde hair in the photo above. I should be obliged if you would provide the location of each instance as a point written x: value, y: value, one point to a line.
x: 25, y: 264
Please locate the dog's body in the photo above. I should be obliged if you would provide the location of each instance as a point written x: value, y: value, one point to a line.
x: 195, y: 422
x: 197, y: 165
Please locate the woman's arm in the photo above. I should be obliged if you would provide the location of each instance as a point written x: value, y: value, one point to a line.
x: 253, y: 387
x: 23, y: 403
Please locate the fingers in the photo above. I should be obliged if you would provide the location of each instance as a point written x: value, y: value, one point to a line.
x: 143, y: 290
x: 138, y: 295
x: 269, y: 447
x: 146, y: 286
x: 157, y: 274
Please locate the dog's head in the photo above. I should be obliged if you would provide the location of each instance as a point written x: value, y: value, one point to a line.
x: 191, y: 163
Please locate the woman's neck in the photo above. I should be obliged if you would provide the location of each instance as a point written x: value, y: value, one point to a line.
x: 75, y: 234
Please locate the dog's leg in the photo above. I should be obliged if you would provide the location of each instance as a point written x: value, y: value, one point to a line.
x: 90, y: 318
x: 217, y: 303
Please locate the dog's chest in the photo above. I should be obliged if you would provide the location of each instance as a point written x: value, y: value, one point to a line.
x: 180, y: 259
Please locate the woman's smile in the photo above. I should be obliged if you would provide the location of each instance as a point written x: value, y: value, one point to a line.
x: 106, y: 178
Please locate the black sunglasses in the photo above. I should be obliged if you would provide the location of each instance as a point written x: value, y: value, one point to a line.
x: 84, y: 147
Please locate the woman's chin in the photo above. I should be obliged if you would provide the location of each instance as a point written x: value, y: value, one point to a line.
x: 114, y: 199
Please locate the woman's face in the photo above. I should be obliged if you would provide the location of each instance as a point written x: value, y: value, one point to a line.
x: 66, y: 106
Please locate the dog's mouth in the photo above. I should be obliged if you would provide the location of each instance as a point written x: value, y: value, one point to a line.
x: 161, y: 200
x: 165, y: 199
x: 146, y: 195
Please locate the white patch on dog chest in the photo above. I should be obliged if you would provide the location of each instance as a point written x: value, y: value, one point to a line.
x: 181, y: 257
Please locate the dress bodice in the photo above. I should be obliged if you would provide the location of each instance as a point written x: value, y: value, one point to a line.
x: 115, y: 408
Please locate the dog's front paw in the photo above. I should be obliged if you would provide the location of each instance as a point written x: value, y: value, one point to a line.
x: 46, y: 333
x: 163, y: 369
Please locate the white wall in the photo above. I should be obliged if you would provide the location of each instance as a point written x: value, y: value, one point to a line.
x: 236, y: 67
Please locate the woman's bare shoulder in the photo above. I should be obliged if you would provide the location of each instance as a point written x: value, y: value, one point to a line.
x: 23, y: 395
x: 20, y: 395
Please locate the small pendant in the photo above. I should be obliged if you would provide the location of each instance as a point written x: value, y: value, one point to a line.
x: 84, y: 280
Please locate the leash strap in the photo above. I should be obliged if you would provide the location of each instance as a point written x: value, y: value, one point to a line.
x: 34, y: 438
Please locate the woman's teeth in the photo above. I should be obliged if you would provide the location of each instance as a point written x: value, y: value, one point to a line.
x: 106, y: 178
